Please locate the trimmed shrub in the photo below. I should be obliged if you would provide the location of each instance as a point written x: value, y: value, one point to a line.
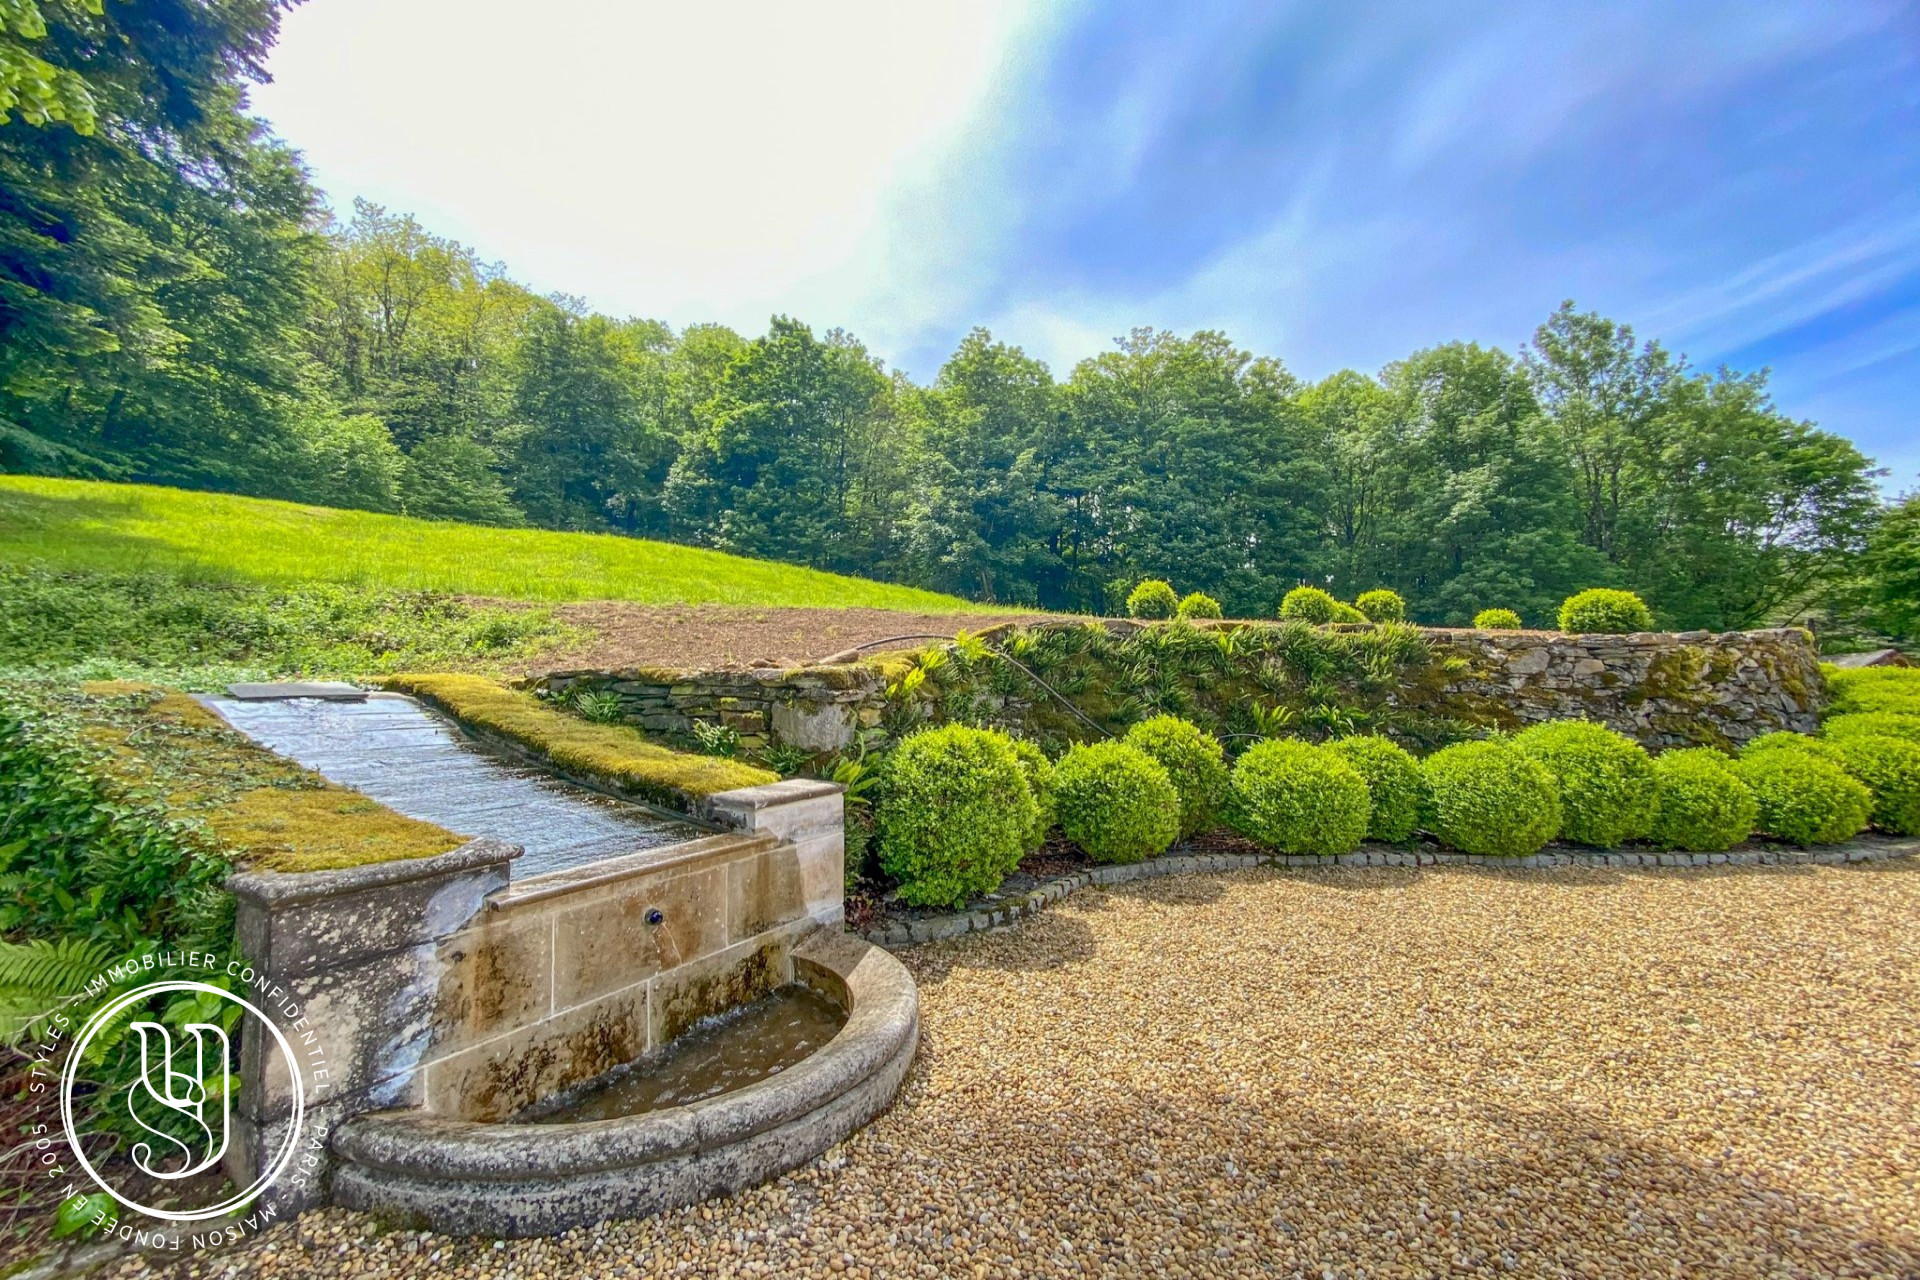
x: 1604, y: 610
x: 1890, y: 768
x: 1153, y: 598
x: 1116, y: 802
x: 1874, y: 689
x: 1344, y: 612
x: 1872, y: 724
x: 956, y: 815
x: 1786, y: 740
x: 1607, y: 791
x: 1496, y: 620
x: 1299, y: 798
x: 1199, y: 605
x: 1309, y: 604
x: 1704, y: 806
x: 1804, y: 799
x: 1492, y: 798
x: 1038, y: 771
x: 1195, y: 765
x: 1381, y: 605
x: 1396, y: 789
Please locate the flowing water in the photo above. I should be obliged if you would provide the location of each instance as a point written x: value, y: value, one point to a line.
x: 397, y: 752
x: 724, y: 1053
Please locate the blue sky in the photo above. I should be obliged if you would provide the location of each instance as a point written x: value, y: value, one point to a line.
x: 1336, y: 185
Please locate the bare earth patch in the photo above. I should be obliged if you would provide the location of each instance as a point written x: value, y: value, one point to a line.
x: 1348, y: 1073
x: 711, y: 637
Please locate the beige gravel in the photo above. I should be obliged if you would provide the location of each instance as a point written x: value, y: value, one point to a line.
x: 1347, y: 1073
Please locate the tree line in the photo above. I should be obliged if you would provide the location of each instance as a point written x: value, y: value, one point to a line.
x: 177, y: 306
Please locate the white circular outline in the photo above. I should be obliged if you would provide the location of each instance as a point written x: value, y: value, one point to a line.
x: 73, y: 1066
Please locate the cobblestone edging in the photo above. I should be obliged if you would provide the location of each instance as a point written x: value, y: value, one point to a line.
x: 903, y: 933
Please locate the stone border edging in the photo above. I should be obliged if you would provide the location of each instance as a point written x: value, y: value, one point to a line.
x: 908, y: 933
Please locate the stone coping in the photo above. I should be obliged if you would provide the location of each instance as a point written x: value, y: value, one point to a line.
x: 288, y: 888
x: 901, y: 933
x: 530, y: 1179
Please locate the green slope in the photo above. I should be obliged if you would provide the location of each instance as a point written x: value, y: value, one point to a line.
x: 125, y: 528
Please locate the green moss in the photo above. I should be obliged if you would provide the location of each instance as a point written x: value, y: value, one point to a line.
x: 613, y: 752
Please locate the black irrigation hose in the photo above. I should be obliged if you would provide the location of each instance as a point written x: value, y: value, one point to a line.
x: 1002, y: 654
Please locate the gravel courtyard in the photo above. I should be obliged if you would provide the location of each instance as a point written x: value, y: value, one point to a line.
x: 1358, y: 1073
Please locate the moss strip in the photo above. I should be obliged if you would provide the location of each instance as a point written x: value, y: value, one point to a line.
x: 618, y: 754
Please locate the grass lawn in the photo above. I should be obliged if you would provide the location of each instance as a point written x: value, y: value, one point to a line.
x: 125, y: 528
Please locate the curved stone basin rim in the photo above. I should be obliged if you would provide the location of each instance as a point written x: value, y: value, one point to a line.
x: 526, y: 1179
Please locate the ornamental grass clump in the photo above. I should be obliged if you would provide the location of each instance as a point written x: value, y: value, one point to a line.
x: 1116, y: 802
x: 1607, y: 790
x: 1038, y: 771
x: 1381, y: 605
x: 1804, y: 799
x: 1890, y: 768
x: 1704, y: 806
x: 1309, y: 604
x: 1490, y: 798
x: 1153, y: 599
x: 1872, y: 724
x: 1299, y: 798
x: 1194, y: 762
x: 956, y: 815
x: 1396, y: 789
x: 1603, y: 610
x: 1199, y: 604
x: 1496, y: 620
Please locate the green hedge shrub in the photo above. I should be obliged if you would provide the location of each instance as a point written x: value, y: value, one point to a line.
x: 1299, y: 798
x: 1497, y: 620
x: 1873, y: 689
x: 1153, y: 598
x: 1704, y: 806
x: 1199, y: 604
x: 1604, y: 610
x: 1804, y: 799
x: 1381, y: 605
x: 1492, y: 798
x: 956, y: 815
x: 1872, y: 724
x: 1785, y: 740
x: 1195, y: 765
x: 1607, y: 790
x: 1116, y: 802
x: 1890, y: 768
x: 1038, y: 771
x: 1309, y: 604
x: 1344, y: 612
x: 1396, y: 789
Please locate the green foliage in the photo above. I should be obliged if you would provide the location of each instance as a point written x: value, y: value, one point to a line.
x: 1038, y: 771
x: 1496, y: 620
x: 1491, y: 798
x: 1381, y: 605
x: 1309, y: 604
x: 1873, y: 689
x: 1116, y: 802
x: 1803, y: 799
x: 602, y: 706
x: 1198, y: 604
x: 1154, y: 598
x: 99, y: 623
x: 1194, y: 763
x: 1890, y: 768
x: 956, y: 815
x: 1704, y: 806
x: 716, y: 739
x: 1344, y: 612
x: 1890, y: 578
x: 1299, y: 798
x: 1608, y: 795
x: 1876, y: 724
x: 1396, y: 789
x: 1602, y: 610
x: 1784, y: 740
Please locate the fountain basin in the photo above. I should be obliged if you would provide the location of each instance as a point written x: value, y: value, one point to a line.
x: 518, y: 1179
